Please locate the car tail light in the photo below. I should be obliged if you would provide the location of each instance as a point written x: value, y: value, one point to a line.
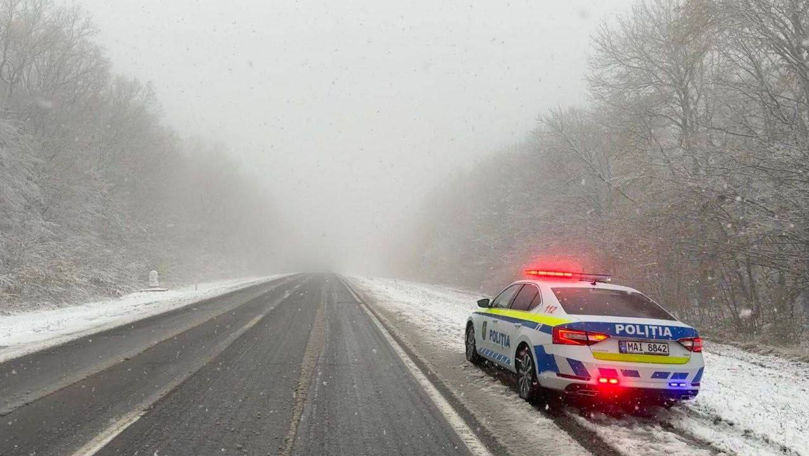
x: 693, y: 344
x: 608, y: 380
x: 576, y: 337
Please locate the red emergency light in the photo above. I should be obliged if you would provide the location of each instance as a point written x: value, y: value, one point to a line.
x: 568, y: 275
x: 540, y: 273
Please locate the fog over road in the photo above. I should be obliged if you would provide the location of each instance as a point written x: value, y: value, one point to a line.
x: 293, y: 366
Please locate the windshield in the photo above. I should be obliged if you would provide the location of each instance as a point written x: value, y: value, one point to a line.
x: 614, y: 303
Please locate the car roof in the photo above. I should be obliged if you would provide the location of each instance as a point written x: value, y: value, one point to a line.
x: 577, y: 284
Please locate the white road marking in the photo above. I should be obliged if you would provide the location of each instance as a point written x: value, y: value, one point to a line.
x: 101, y: 440
x: 195, y: 320
x: 121, y: 424
x: 317, y: 338
x: 455, y: 421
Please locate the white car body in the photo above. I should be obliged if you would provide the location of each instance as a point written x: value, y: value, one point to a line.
x: 586, y: 370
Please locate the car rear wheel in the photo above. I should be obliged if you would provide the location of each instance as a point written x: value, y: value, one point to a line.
x: 527, y: 382
x: 471, y: 350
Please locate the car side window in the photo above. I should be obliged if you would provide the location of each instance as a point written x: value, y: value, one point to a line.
x: 504, y: 298
x: 525, y: 298
x: 536, y: 301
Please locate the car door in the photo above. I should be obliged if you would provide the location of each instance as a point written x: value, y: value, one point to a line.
x: 496, y: 343
x: 526, y: 299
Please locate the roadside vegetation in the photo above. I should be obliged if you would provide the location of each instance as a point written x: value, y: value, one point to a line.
x: 687, y: 174
x: 94, y: 189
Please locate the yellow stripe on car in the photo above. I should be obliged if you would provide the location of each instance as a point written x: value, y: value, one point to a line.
x: 527, y: 316
x: 652, y: 359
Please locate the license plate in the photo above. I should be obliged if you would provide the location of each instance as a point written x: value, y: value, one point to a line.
x: 643, y: 348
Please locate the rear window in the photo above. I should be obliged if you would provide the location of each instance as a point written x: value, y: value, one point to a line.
x: 617, y: 303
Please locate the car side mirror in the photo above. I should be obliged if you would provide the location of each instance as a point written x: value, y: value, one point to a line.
x: 484, y: 302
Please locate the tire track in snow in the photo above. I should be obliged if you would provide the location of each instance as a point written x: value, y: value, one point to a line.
x: 636, y: 435
x: 725, y: 434
x: 567, y: 422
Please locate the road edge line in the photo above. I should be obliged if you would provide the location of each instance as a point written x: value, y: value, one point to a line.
x: 121, y: 424
x: 11, y: 353
x: 566, y: 422
x: 474, y: 444
x: 81, y: 375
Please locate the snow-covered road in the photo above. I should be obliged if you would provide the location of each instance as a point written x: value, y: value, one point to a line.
x: 749, y: 404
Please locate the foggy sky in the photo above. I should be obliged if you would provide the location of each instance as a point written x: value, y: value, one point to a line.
x: 349, y: 112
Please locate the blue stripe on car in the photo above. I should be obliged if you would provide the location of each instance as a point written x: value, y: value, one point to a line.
x: 698, y: 377
x: 578, y: 368
x: 679, y: 375
x: 661, y: 375
x: 630, y: 373
x: 545, y: 361
x: 528, y: 324
x: 495, y: 356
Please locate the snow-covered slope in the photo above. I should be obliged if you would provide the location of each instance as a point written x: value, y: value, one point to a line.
x: 26, y: 332
x: 749, y: 403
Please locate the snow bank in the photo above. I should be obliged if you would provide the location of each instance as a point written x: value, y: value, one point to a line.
x: 441, y: 311
x: 27, y: 332
x: 749, y: 403
x: 756, y: 401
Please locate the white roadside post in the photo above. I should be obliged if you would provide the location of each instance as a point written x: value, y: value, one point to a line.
x: 154, y: 282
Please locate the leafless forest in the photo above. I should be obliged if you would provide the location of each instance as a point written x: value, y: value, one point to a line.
x: 684, y: 175
x: 94, y: 190
x: 687, y: 175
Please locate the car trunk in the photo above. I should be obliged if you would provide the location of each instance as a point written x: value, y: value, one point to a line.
x: 638, y: 340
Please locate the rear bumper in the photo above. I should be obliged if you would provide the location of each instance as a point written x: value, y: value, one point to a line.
x: 577, y: 365
x: 625, y: 393
x: 636, y: 382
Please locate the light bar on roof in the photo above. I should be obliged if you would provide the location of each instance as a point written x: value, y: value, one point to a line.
x: 568, y: 275
x: 537, y: 272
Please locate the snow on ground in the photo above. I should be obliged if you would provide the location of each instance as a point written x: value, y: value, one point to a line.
x: 26, y: 332
x: 749, y: 403
x: 441, y: 310
x: 759, y: 401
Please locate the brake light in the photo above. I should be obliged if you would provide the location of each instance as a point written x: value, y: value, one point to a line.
x: 566, y: 336
x: 693, y: 344
x: 608, y: 380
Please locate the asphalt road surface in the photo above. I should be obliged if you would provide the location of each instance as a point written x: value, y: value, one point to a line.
x: 290, y: 367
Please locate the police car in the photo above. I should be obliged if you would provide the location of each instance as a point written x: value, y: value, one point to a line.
x: 580, y: 335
